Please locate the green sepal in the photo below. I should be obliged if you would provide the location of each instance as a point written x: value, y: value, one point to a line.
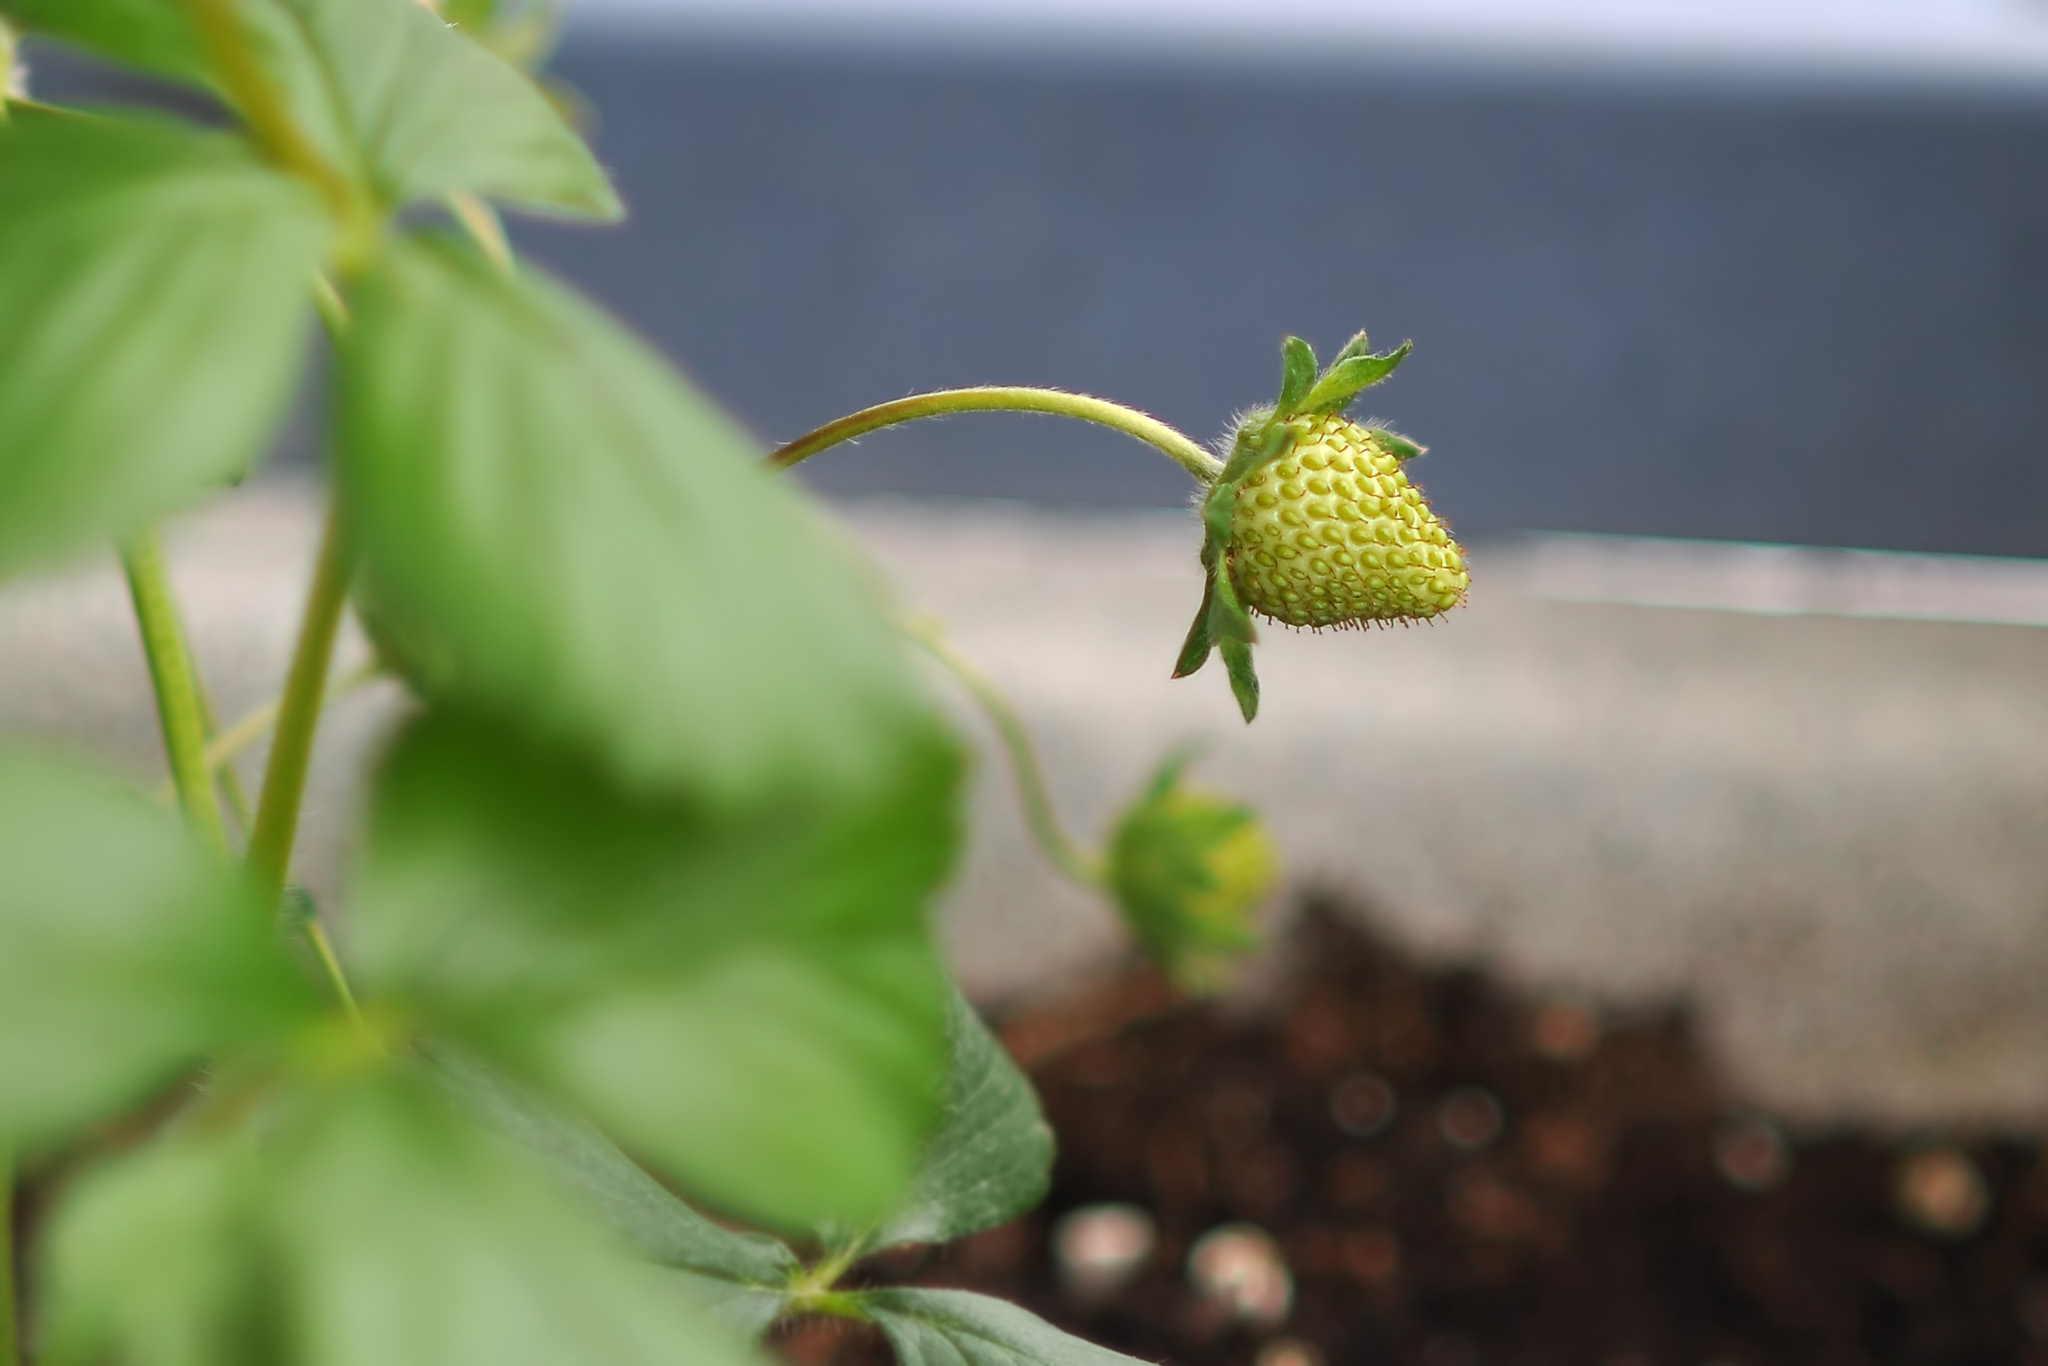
x: 1395, y: 444
x: 1342, y: 382
x: 1228, y: 621
x: 1357, y: 346
x: 1194, y: 651
x: 1244, y: 679
x: 1262, y: 437
x: 1297, y: 376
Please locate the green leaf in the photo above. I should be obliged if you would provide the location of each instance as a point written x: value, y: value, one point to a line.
x: 153, y: 35
x: 1298, y: 376
x: 956, y: 1328
x: 127, y: 953
x: 1244, y: 678
x: 404, y: 1240
x: 597, y: 548
x: 1397, y: 445
x: 645, y: 1212
x: 154, y: 281
x: 753, y: 1005
x: 991, y: 1157
x: 1343, y: 383
x: 370, y: 1226
x: 152, y: 1259
x: 429, y: 111
x: 390, y: 93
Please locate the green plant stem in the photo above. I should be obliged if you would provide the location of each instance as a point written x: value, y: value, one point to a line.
x: 1182, y: 449
x: 228, y: 782
x: 1032, y: 792
x: 243, y: 81
x: 178, y: 706
x: 254, y: 725
x: 10, y: 1319
x: 484, y: 227
x: 298, y: 716
x: 330, y: 963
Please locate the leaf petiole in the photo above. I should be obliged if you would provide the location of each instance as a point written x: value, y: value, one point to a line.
x: 298, y: 716
x: 254, y: 725
x: 1032, y: 792
x: 179, y: 709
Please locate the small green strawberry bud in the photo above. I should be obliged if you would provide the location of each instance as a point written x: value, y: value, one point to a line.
x: 1314, y: 522
x: 1190, y: 870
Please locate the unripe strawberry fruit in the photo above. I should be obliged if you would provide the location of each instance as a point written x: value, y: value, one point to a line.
x: 1334, y: 534
x: 1310, y: 520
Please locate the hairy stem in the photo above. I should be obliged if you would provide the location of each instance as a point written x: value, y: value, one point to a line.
x: 298, y: 716
x: 178, y: 706
x: 1183, y: 450
x: 1032, y: 792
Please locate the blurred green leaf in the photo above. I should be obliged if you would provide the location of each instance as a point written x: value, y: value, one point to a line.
x: 127, y: 953
x: 1190, y: 871
x: 153, y: 311
x: 406, y: 1241
x: 153, y: 1260
x: 151, y: 35
x: 596, y: 548
x: 645, y: 1212
x: 370, y: 1226
x: 955, y: 1328
x: 753, y: 1005
x: 991, y: 1157
x: 391, y: 93
x: 431, y: 111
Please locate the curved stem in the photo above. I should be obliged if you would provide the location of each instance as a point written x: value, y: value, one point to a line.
x: 1182, y: 449
x: 298, y: 717
x: 1032, y: 792
x: 179, y: 710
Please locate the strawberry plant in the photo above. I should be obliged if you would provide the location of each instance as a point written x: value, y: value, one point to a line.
x: 640, y: 905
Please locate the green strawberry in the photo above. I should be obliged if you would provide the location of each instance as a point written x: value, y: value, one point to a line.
x: 1333, y: 534
x: 1313, y: 521
x: 1191, y: 870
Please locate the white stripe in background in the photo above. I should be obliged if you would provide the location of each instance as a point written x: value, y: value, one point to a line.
x: 1942, y: 38
x: 1773, y: 580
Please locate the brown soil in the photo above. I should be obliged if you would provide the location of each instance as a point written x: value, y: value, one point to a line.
x: 1552, y: 1187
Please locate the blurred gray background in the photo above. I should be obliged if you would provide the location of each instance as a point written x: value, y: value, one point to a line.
x: 1762, y: 272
